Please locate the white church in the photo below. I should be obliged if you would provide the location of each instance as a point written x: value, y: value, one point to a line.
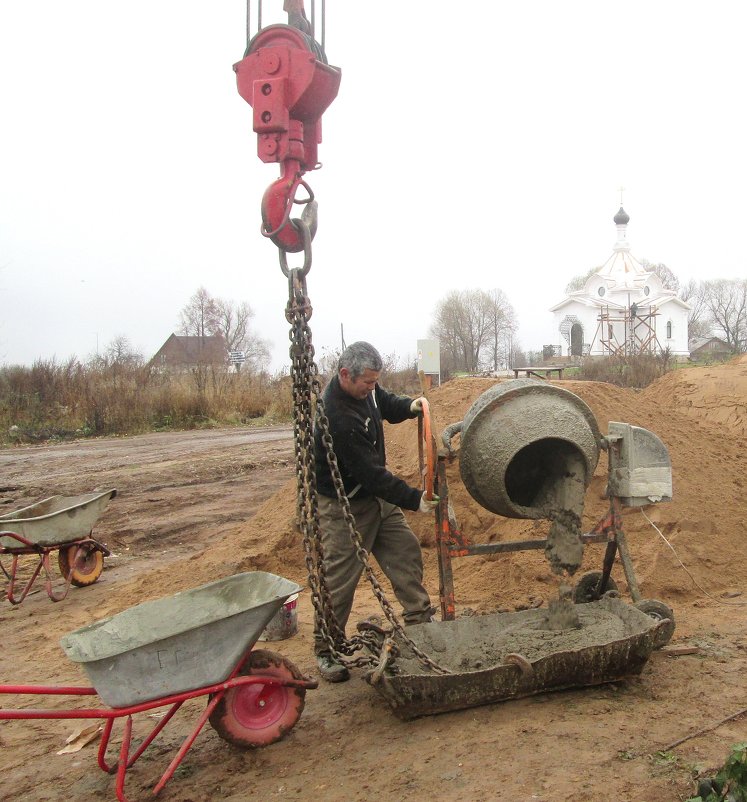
x: 623, y: 309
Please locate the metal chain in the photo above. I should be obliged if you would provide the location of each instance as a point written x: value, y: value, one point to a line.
x: 307, y: 394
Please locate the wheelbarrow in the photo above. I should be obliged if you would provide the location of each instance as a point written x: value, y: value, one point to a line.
x: 57, y: 523
x: 163, y: 652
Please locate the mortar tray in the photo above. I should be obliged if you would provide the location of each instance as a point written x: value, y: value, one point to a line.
x: 614, y: 642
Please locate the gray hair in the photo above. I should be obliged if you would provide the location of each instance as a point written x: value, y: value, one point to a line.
x: 360, y: 357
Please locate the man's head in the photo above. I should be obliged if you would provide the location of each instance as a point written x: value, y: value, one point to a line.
x: 358, y: 369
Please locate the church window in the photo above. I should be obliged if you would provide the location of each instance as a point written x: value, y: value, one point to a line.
x: 601, y: 292
x: 669, y: 329
x: 646, y: 290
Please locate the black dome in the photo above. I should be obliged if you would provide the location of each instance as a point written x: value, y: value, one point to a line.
x: 622, y: 217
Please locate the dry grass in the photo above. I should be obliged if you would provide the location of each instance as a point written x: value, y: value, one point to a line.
x: 53, y: 400
x: 59, y: 400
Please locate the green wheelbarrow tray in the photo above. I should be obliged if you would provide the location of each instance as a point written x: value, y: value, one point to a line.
x: 503, y: 656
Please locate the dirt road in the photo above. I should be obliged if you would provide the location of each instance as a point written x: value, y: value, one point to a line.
x: 180, y: 518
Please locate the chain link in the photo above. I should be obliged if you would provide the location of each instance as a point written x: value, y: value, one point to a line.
x: 308, y: 404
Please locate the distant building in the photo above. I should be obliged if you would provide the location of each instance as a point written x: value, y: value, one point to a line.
x: 709, y: 348
x: 182, y: 353
x: 622, y: 308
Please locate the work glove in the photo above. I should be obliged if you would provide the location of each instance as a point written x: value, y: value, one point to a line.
x: 428, y: 505
x: 417, y: 406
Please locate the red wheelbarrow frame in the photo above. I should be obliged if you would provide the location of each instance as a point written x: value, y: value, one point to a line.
x: 82, y: 547
x: 126, y: 760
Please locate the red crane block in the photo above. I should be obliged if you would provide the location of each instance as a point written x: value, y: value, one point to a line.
x: 285, y: 80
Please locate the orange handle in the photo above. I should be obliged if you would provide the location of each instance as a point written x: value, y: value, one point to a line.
x: 427, y: 454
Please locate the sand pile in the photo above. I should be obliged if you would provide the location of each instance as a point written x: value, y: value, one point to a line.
x: 716, y: 394
x: 705, y: 523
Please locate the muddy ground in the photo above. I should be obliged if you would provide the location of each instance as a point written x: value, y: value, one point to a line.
x: 192, y: 507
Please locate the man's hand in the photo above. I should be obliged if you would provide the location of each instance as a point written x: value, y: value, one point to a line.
x: 428, y: 505
x: 417, y: 406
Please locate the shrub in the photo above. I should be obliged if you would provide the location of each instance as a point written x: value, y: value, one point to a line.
x: 627, y: 371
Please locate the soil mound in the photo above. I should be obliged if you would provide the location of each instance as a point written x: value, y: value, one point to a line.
x: 716, y: 394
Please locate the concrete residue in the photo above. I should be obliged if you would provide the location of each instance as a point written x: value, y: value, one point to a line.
x: 563, y: 505
x: 562, y: 613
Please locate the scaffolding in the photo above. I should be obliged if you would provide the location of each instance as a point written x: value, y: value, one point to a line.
x: 630, y: 331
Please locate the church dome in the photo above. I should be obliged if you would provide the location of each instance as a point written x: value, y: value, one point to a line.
x: 622, y: 217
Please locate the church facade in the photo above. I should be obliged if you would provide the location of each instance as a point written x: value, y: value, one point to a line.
x: 623, y: 309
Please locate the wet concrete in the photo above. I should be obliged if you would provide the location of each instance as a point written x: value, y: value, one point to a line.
x: 477, y: 643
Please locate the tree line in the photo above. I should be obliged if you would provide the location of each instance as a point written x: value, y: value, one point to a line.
x: 476, y: 328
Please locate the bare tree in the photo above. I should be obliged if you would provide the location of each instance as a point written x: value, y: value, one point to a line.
x: 121, y: 352
x: 503, y: 327
x: 668, y: 279
x: 232, y: 322
x: 579, y: 282
x: 205, y: 316
x: 199, y: 318
x: 465, y: 324
x: 726, y: 301
x: 698, y: 320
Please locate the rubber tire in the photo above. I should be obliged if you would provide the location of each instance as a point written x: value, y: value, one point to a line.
x: 87, y: 568
x: 239, y: 719
x: 584, y: 590
x: 659, y: 611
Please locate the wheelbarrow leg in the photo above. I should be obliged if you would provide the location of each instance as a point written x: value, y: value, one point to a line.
x: 55, y: 597
x: 27, y: 587
x: 168, y: 774
x: 123, y: 759
x: 103, y: 745
x: 149, y: 740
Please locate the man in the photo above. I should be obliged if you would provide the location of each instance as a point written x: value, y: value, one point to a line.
x: 355, y: 406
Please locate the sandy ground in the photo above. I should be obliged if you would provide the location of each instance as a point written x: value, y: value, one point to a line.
x: 192, y: 507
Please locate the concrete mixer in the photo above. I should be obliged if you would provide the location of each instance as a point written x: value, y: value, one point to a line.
x: 528, y: 449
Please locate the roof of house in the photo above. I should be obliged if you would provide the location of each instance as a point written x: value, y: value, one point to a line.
x: 698, y: 342
x: 192, y: 350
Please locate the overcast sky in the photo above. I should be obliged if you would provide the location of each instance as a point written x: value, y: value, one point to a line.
x: 472, y: 145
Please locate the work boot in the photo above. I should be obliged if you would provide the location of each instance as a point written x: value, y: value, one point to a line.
x: 330, y: 669
x: 425, y: 617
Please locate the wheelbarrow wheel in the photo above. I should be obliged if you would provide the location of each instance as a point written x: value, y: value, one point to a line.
x: 251, y: 716
x: 659, y: 611
x: 585, y: 590
x: 88, y: 566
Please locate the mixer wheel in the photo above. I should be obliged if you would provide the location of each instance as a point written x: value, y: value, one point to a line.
x: 585, y: 590
x: 659, y: 611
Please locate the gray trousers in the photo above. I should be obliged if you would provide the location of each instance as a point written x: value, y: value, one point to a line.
x: 387, y: 536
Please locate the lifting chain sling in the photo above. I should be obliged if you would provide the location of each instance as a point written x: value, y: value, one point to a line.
x: 285, y: 78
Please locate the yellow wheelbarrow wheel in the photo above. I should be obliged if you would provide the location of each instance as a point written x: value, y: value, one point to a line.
x: 85, y: 562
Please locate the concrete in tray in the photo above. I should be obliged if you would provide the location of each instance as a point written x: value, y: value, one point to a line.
x: 508, y: 655
x: 179, y: 643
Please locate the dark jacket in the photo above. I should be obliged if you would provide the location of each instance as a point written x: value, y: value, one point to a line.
x: 358, y: 442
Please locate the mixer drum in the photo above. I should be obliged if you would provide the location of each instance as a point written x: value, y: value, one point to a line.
x: 521, y: 442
